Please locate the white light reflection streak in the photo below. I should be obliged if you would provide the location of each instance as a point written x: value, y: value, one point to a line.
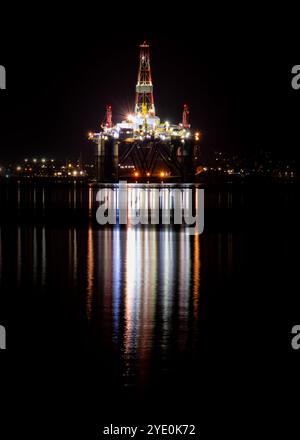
x: 148, y: 298
x: 167, y: 268
x: 116, y: 283
x: 132, y: 295
x: 184, y: 285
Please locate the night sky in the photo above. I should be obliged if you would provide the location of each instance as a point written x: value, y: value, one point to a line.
x: 61, y: 76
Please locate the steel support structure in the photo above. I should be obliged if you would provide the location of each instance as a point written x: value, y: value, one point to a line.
x: 144, y: 101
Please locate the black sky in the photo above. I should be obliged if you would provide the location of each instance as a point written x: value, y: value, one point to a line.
x: 60, y: 77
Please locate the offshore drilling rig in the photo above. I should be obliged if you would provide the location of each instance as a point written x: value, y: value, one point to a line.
x: 141, y: 147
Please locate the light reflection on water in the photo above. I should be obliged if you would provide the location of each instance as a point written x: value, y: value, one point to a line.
x: 149, y: 287
x: 138, y: 288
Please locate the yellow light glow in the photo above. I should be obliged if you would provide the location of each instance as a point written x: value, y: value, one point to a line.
x: 162, y: 174
x: 136, y: 174
x: 148, y: 174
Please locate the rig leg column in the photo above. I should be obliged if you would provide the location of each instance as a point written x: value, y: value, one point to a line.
x: 187, y: 166
x: 115, y: 160
x: 100, y: 160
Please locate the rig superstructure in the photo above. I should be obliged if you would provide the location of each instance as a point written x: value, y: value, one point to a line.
x: 142, y: 140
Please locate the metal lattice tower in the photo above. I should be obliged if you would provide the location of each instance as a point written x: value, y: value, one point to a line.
x: 144, y: 101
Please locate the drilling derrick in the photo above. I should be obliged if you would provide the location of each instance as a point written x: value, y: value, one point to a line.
x: 186, y: 116
x: 144, y: 101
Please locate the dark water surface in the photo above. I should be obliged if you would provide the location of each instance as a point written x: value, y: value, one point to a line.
x: 150, y: 313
